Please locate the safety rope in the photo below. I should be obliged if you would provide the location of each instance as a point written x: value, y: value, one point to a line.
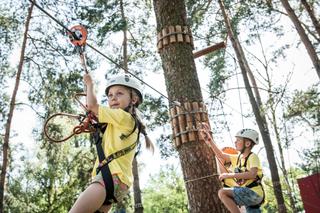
x: 201, y: 178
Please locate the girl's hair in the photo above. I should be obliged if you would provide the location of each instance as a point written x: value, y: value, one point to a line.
x: 138, y: 116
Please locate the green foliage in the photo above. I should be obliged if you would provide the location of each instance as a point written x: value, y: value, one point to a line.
x: 270, y: 204
x: 105, y: 16
x: 311, y: 159
x: 165, y: 192
x: 51, y: 182
x: 8, y: 35
x: 155, y: 111
x: 156, y: 115
x: 8, y: 26
x: 305, y: 107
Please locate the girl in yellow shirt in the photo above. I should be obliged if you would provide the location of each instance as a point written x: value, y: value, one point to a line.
x: 122, y: 132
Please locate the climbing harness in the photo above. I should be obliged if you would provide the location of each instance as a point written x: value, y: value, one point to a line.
x: 239, y: 167
x: 104, y: 161
x: 89, y: 124
x: 256, y: 182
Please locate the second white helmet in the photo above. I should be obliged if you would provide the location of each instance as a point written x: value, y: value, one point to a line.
x: 125, y: 80
x: 250, y: 134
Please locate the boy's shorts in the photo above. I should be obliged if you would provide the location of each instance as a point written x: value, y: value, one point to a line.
x: 120, y: 189
x: 244, y: 196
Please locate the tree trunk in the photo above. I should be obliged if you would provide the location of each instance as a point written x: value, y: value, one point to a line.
x: 138, y: 208
x: 313, y: 18
x: 125, y: 38
x: 5, y: 147
x: 197, y: 161
x: 283, y: 166
x: 303, y: 36
x: 256, y: 106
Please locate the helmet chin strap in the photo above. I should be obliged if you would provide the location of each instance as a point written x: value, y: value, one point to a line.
x: 242, y: 150
x: 244, y: 146
x: 129, y: 107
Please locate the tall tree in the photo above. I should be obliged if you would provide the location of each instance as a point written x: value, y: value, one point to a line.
x: 183, y: 86
x: 257, y: 108
x: 303, y: 36
x: 310, y: 10
x: 6, y: 139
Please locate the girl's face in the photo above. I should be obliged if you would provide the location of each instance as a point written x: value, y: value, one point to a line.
x: 119, y: 97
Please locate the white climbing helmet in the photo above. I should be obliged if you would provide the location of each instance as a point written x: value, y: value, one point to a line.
x: 250, y: 134
x: 125, y: 80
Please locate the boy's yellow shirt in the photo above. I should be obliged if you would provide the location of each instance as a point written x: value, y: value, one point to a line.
x: 119, y: 122
x: 253, y: 161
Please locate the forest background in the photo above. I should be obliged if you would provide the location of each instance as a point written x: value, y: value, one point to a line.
x: 44, y: 177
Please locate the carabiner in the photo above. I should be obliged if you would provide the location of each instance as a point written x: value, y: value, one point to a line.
x: 78, y: 35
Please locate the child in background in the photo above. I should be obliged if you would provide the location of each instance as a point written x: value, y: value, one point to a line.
x: 247, y: 172
x: 123, y: 129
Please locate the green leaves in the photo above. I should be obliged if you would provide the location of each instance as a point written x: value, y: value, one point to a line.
x: 305, y: 107
x: 167, y: 189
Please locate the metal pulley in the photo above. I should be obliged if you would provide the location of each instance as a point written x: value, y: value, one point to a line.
x: 78, y: 35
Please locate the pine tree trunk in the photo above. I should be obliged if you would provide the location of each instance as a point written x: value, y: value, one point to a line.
x: 312, y: 15
x: 283, y: 166
x: 256, y: 106
x: 138, y: 208
x: 303, y: 36
x: 5, y: 148
x: 197, y: 161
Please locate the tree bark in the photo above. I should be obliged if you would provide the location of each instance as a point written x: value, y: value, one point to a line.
x: 138, y: 208
x: 5, y: 148
x: 256, y: 106
x: 197, y: 161
x: 125, y: 38
x: 303, y: 36
x: 313, y: 18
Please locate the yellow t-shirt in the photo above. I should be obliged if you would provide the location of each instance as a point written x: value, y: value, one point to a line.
x: 119, y: 122
x: 252, y: 161
x: 230, y: 182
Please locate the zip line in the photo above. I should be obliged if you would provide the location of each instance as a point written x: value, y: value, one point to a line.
x: 102, y: 54
x: 75, y: 36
